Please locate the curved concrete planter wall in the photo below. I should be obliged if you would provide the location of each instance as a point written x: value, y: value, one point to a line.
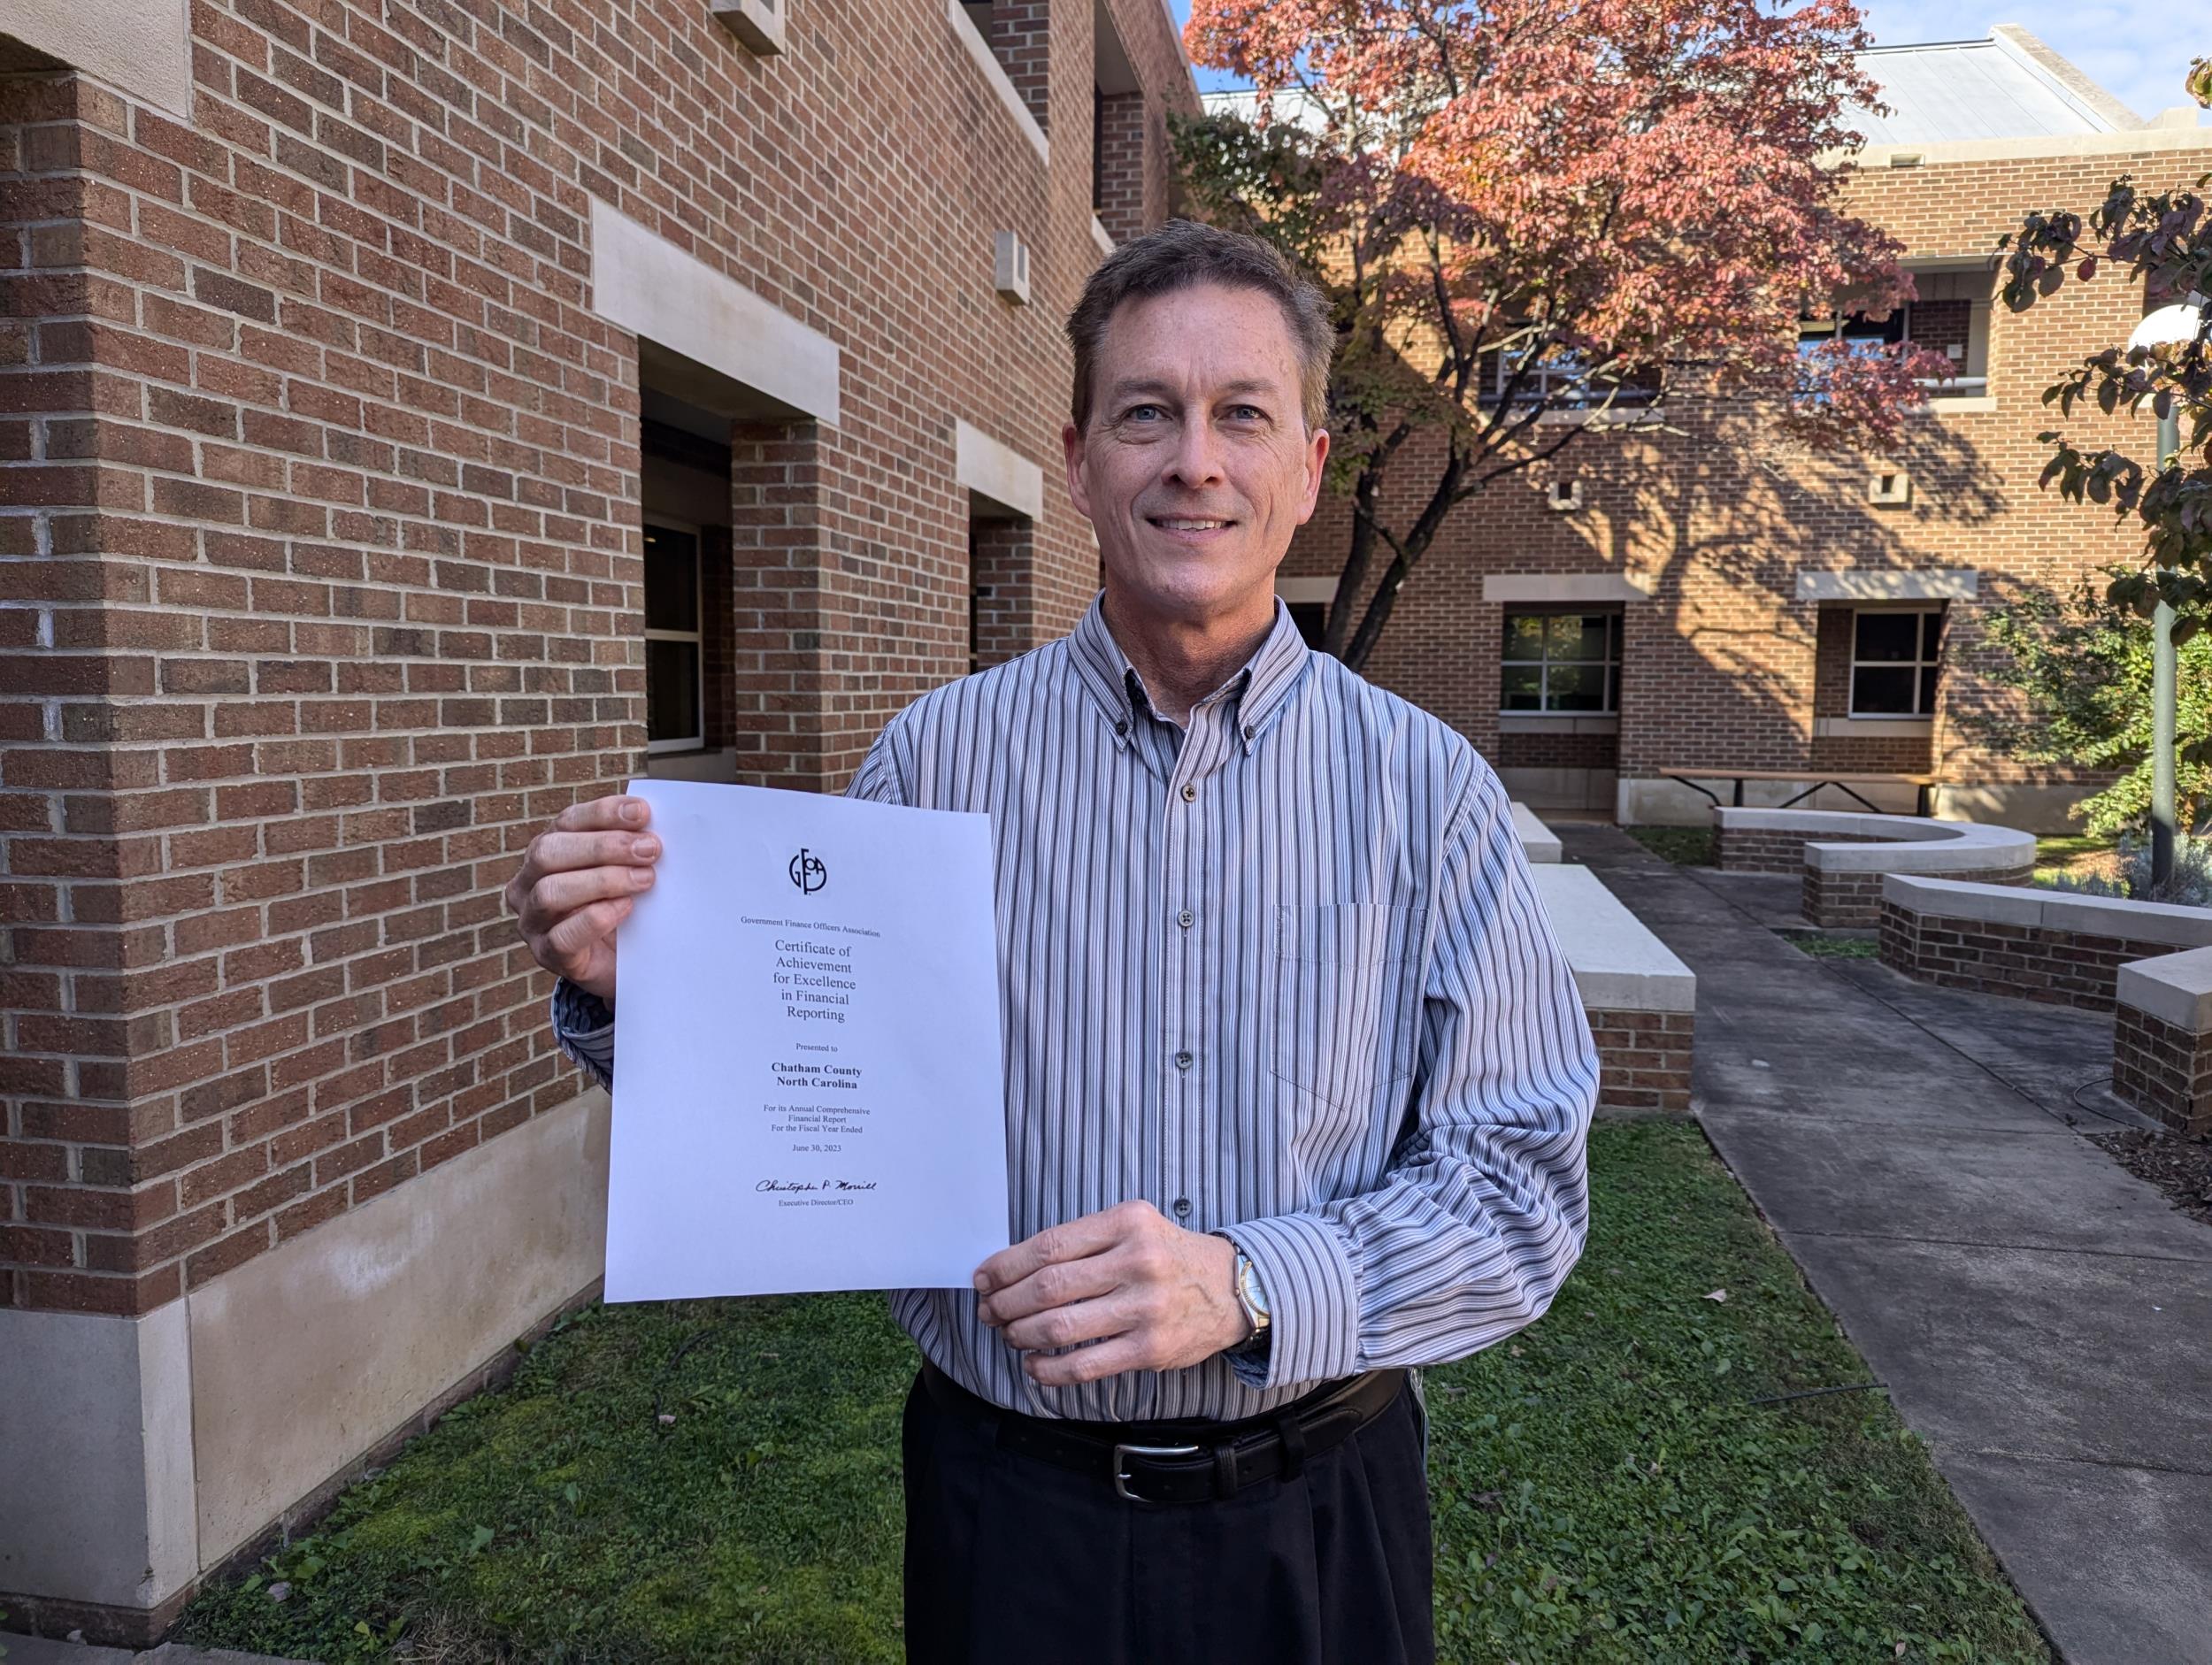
x: 1845, y: 856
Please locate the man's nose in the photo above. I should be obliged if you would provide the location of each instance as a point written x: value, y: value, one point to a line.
x: 1197, y: 459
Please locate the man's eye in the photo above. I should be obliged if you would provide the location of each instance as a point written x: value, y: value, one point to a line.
x: 1247, y: 413
x: 1142, y: 413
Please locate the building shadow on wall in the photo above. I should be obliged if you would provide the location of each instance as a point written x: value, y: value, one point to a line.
x: 1721, y: 520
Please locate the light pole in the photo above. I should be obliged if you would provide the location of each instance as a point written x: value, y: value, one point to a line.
x: 2167, y: 324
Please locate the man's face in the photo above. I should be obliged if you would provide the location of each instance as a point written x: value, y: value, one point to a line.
x: 1196, y: 466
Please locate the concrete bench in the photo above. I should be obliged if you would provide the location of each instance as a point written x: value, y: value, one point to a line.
x: 2149, y: 963
x: 1539, y: 843
x: 1640, y: 1000
x: 1843, y: 855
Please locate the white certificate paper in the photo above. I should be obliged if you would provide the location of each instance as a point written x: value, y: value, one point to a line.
x: 808, y: 1093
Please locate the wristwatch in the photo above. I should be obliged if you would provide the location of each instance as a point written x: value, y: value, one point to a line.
x: 1252, y: 1296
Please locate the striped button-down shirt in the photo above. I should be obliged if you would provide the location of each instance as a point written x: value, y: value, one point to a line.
x: 1281, y: 972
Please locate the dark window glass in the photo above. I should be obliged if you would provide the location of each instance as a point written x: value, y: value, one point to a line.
x: 1311, y: 617
x: 1524, y: 688
x: 1888, y: 636
x: 1575, y: 687
x: 1883, y: 691
x: 1524, y: 635
x: 672, y: 580
x: 1927, y: 689
x: 672, y: 690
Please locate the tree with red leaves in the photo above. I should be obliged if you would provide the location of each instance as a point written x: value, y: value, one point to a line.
x: 1528, y: 206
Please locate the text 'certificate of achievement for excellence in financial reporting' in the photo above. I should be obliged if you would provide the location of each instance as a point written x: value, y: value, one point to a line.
x: 808, y: 1093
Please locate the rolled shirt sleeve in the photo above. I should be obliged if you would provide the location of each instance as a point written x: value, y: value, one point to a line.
x: 1484, y: 1208
x: 583, y: 1026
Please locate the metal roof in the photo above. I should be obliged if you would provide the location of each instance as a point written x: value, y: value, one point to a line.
x: 2009, y: 86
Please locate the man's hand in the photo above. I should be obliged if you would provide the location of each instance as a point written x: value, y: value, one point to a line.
x: 1151, y: 1295
x: 579, y: 881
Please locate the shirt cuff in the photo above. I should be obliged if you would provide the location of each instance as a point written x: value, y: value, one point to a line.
x: 583, y: 1024
x: 1312, y: 1299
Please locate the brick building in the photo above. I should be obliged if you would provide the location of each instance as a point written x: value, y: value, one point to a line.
x: 416, y: 415
x: 1702, y: 598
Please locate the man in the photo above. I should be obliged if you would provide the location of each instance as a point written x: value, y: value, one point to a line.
x: 1296, y: 1079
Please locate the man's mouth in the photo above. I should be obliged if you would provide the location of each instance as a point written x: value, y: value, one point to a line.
x: 1187, y: 523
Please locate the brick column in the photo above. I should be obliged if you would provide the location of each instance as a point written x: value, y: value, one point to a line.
x: 1120, y: 193
x: 1021, y: 39
x: 778, y: 622
x: 1002, y: 591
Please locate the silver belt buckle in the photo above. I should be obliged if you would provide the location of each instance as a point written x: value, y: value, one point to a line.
x: 1122, y: 1453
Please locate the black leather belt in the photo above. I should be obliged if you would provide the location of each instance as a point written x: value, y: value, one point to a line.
x: 1182, y: 1463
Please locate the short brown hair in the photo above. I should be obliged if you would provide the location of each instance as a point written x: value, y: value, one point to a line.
x: 1182, y: 254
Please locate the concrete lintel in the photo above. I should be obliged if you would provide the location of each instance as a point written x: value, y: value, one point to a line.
x: 1566, y: 586
x: 141, y: 48
x: 1618, y: 964
x: 1890, y: 584
x: 997, y: 471
x: 1306, y: 589
x: 994, y: 71
x: 1101, y: 236
x: 1539, y: 843
x: 650, y: 287
x: 2177, y: 987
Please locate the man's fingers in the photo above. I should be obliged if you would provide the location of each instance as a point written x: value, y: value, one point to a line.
x: 587, y: 925
x: 1072, y: 1240
x: 569, y: 852
x: 1114, y: 1313
x: 616, y: 811
x: 1054, y: 1285
x: 1130, y: 1352
x: 555, y: 897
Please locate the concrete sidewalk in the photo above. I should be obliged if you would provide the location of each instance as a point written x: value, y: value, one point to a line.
x: 2042, y: 1318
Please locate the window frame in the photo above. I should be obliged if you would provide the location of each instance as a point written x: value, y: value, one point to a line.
x: 1923, y: 662
x: 1616, y: 634
x: 696, y: 637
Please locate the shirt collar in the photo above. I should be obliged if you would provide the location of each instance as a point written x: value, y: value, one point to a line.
x: 1268, y: 677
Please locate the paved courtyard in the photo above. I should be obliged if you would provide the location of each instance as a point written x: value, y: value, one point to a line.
x: 2041, y: 1317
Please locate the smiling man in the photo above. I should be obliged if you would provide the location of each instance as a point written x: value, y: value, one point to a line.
x: 1297, y: 1078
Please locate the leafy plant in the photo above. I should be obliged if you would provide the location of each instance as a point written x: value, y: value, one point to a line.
x: 2083, y: 665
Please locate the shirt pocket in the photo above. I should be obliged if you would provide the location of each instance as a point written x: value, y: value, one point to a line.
x: 1348, y: 999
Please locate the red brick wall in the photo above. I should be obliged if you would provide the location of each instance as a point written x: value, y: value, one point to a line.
x: 1004, y: 600
x: 319, y: 547
x: 2163, y: 1069
x: 1719, y: 668
x: 2063, y: 968
x: 1122, y: 180
x: 1854, y: 754
x: 1549, y: 749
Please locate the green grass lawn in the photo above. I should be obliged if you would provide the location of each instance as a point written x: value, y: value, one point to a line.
x: 1822, y: 947
x: 1683, y: 846
x: 1608, y: 1488
x: 2079, y: 853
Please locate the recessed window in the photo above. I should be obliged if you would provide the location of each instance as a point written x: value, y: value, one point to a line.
x: 1561, y: 662
x: 673, y: 651
x: 1894, y: 655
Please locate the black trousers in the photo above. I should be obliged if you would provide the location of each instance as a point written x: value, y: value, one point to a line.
x: 1009, y: 1559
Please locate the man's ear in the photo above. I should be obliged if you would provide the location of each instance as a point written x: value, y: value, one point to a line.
x: 1316, y: 458
x: 1079, y: 489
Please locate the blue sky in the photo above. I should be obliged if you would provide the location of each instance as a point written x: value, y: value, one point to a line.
x: 2137, y: 50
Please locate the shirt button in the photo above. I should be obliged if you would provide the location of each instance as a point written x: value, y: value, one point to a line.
x: 1121, y: 728
x: 1182, y: 1061
x: 1190, y: 792
x: 1249, y: 731
x: 1182, y: 1208
x: 1185, y: 918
